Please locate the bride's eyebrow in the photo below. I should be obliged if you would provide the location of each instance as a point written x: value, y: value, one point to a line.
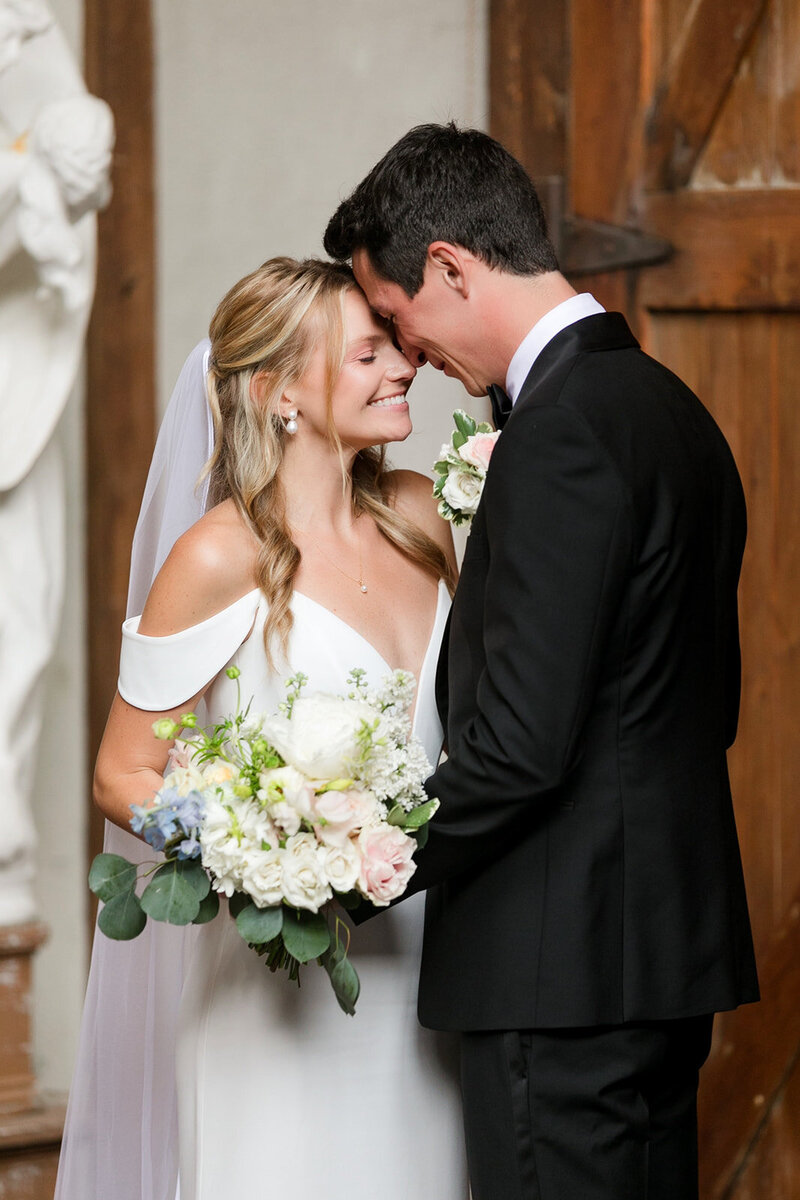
x: 369, y: 342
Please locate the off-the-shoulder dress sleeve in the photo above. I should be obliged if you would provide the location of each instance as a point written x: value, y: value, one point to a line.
x: 159, y: 673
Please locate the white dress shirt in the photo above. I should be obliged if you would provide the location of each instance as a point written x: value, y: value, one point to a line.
x: 558, y: 318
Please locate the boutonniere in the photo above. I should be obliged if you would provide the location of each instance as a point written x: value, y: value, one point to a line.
x: 461, y: 468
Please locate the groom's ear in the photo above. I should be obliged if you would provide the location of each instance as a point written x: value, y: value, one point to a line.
x: 453, y: 265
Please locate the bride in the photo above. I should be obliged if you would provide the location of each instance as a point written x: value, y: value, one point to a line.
x: 310, y: 557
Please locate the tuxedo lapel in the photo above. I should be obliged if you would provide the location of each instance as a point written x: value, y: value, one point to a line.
x: 602, y: 331
x: 441, y: 683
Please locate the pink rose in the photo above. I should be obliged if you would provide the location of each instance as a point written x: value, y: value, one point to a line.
x: 477, y: 449
x: 386, y: 864
x: 341, y: 813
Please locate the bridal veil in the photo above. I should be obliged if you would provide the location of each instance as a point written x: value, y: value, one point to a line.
x: 121, y: 1136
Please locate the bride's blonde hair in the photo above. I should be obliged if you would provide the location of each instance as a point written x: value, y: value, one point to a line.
x: 263, y: 335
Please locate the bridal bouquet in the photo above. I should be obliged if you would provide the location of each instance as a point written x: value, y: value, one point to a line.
x: 461, y: 468
x: 281, y: 814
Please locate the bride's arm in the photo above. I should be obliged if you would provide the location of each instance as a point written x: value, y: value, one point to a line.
x: 203, y: 575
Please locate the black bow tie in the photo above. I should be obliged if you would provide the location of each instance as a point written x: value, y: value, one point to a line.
x: 501, y: 405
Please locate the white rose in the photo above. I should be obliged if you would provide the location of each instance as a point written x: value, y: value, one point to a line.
x: 305, y: 883
x: 262, y: 878
x: 342, y: 866
x: 321, y: 738
x: 462, y: 490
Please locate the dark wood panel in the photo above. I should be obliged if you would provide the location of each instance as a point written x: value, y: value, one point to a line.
x: 120, y: 349
x: 734, y: 250
x: 726, y: 359
x: 528, y: 102
x: 755, y: 1054
x: 689, y: 96
x: 605, y: 128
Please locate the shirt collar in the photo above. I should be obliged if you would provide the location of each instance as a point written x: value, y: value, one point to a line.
x: 558, y: 318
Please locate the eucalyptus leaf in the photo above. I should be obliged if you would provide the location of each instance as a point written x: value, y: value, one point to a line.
x: 237, y: 902
x: 168, y: 897
x: 122, y: 917
x: 396, y: 816
x: 111, y: 875
x: 191, y: 870
x: 259, y: 925
x: 209, y: 907
x: 344, y: 980
x: 459, y: 439
x: 349, y: 900
x: 305, y: 935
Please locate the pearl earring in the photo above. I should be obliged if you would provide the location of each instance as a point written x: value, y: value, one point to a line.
x: 291, y: 423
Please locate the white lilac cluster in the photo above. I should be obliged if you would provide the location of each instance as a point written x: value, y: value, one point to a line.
x: 396, y: 765
x: 461, y: 468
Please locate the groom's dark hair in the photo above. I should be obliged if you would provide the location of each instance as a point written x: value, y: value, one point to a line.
x: 442, y: 183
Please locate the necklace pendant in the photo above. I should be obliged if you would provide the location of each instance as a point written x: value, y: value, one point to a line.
x: 363, y: 587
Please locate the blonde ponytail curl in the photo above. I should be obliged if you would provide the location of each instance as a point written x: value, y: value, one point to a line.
x: 263, y: 334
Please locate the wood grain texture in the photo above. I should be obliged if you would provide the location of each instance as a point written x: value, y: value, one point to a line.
x: 734, y: 250
x: 688, y: 97
x: 120, y: 347
x: 605, y: 130
x: 528, y: 92
x: 743, y: 1092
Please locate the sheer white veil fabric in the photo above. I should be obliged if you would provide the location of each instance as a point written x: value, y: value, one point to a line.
x: 121, y: 1134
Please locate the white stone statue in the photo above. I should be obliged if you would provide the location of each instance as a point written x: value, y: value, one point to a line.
x: 55, y: 157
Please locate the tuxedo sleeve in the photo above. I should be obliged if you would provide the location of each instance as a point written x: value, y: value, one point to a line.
x: 558, y: 541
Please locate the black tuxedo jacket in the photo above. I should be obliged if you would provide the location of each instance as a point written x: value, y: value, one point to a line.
x: 584, y: 865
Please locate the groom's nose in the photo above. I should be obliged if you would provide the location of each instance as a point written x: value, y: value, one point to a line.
x: 415, y: 354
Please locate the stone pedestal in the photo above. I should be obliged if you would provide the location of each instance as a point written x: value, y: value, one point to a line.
x: 30, y: 1125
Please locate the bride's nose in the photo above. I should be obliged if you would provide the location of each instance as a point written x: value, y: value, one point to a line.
x: 400, y: 367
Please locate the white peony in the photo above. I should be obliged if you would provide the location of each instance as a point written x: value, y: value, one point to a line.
x: 462, y: 490
x: 342, y: 866
x: 305, y: 883
x: 321, y: 738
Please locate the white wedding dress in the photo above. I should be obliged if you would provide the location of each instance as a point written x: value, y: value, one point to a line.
x: 280, y: 1095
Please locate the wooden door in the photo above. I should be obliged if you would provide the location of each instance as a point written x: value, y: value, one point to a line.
x: 680, y: 119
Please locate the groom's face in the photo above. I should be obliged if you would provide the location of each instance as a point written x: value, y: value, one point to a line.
x: 431, y: 326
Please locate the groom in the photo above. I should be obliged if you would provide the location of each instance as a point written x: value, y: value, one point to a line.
x: 587, y: 912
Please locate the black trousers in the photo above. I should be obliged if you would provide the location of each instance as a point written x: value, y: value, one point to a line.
x: 607, y: 1113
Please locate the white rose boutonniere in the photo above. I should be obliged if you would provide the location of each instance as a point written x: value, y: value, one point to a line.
x: 461, y: 468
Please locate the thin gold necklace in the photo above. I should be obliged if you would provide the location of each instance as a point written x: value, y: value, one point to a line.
x: 360, y: 581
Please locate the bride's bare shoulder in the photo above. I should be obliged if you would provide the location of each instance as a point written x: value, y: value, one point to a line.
x: 210, y: 567
x: 411, y: 493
